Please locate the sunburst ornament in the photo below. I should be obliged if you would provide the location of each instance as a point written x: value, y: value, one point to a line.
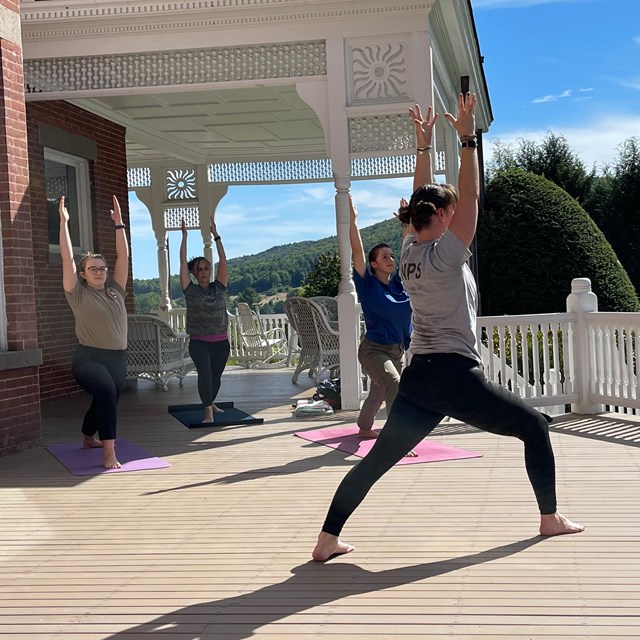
x: 379, y: 72
x: 181, y: 184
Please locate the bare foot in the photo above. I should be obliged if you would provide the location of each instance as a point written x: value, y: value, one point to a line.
x: 110, y: 460
x: 329, y: 546
x: 208, y: 415
x: 556, y: 524
x: 91, y: 442
x: 367, y: 434
x: 217, y: 409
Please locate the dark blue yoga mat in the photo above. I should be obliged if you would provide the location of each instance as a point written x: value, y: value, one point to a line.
x: 191, y: 415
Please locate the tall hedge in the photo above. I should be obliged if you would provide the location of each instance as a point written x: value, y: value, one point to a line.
x: 533, y: 239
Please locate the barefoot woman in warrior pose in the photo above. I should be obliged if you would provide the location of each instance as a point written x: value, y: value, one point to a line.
x: 100, y: 359
x: 207, y: 320
x: 445, y: 376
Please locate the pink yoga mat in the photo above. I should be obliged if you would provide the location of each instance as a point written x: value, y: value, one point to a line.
x: 88, y: 462
x: 345, y: 438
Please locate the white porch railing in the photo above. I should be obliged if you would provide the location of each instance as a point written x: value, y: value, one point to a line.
x: 527, y: 355
x: 583, y: 358
x: 613, y: 374
x: 178, y: 321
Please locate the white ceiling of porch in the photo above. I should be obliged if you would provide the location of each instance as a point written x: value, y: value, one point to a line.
x: 228, y: 125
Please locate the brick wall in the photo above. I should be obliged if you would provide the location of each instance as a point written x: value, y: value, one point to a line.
x: 108, y: 175
x: 19, y: 397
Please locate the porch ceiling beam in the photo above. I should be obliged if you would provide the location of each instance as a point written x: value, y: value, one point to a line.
x: 146, y: 136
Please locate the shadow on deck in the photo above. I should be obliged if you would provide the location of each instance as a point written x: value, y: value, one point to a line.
x: 217, y: 545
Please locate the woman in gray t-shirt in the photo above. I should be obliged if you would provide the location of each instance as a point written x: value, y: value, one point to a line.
x: 445, y: 376
x: 206, y: 319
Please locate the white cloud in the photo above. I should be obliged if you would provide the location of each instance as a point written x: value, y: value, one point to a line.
x: 631, y: 83
x: 596, y: 143
x: 585, y: 89
x: 552, y: 98
x: 322, y: 192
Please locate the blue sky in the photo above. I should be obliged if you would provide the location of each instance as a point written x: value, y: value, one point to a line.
x: 567, y: 66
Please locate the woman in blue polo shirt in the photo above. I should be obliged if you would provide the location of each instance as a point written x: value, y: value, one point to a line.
x: 387, y: 315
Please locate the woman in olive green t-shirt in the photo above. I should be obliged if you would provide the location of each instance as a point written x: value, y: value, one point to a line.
x: 100, y: 359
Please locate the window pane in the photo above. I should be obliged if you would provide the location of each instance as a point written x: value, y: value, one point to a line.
x: 61, y: 180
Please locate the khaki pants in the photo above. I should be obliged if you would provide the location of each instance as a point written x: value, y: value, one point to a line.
x: 383, y: 364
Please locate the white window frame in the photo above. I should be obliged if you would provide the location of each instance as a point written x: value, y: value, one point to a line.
x: 83, y: 195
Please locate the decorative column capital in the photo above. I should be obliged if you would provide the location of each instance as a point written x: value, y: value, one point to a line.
x: 342, y: 183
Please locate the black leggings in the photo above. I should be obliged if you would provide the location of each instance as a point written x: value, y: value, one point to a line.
x: 446, y: 384
x: 103, y: 374
x: 210, y: 359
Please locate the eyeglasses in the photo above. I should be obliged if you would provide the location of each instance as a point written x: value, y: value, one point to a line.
x: 95, y: 270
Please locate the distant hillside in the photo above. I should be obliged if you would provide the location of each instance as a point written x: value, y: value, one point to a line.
x: 277, y: 270
x: 285, y: 267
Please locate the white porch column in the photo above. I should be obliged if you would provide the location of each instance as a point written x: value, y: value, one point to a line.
x: 581, y: 301
x: 338, y: 147
x: 153, y: 199
x: 350, y: 370
x: 209, y: 196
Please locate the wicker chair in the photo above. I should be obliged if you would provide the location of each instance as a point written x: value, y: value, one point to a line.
x: 330, y: 307
x: 319, y: 343
x: 260, y: 348
x: 155, y: 351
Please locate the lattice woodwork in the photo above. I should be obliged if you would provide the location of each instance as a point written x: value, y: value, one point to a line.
x: 271, y: 172
x: 173, y: 217
x: 388, y: 132
x: 174, y: 68
x: 138, y: 177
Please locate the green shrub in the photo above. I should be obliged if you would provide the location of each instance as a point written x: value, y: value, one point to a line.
x: 533, y: 239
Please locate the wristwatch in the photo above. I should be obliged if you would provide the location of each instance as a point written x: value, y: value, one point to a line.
x: 469, y: 144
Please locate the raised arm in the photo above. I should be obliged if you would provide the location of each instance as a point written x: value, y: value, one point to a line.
x: 423, y: 173
x: 406, y: 226
x: 69, y: 274
x: 222, y: 274
x: 185, y: 279
x: 465, y: 220
x: 357, y: 249
x: 121, y: 268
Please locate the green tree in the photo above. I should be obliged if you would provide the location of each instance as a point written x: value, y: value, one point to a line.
x: 614, y: 204
x: 248, y: 295
x: 147, y: 302
x: 552, y: 158
x: 324, y: 277
x: 533, y: 239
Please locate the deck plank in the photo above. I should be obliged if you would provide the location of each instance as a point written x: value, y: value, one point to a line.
x: 217, y: 545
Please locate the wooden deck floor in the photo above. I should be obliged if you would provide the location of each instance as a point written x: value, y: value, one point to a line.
x: 218, y: 545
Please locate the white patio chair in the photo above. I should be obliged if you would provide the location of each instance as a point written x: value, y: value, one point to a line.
x: 319, y: 343
x: 155, y: 351
x: 260, y: 348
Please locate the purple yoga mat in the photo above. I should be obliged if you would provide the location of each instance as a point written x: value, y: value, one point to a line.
x: 88, y: 462
x: 345, y: 438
